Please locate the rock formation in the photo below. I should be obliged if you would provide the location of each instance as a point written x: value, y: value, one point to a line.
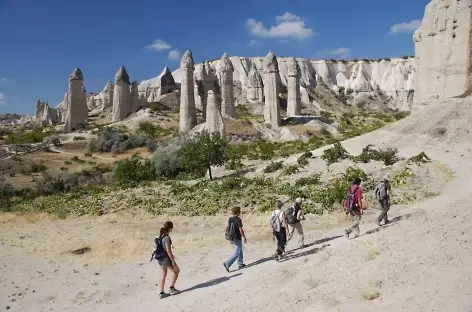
x: 107, y: 95
x: 64, y: 107
x: 214, y: 121
x: 188, y: 113
x: 294, y: 104
x: 134, y: 97
x: 121, y: 96
x: 443, y: 47
x: 209, y: 81
x: 154, y: 88
x: 271, y: 91
x: 255, y: 86
x: 77, y: 112
x: 225, y: 72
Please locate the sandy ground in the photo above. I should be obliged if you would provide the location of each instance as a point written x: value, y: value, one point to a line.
x: 419, y: 263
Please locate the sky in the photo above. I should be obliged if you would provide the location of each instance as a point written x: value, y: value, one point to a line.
x: 42, y: 41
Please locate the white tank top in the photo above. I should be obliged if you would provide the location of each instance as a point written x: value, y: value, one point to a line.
x: 280, y: 215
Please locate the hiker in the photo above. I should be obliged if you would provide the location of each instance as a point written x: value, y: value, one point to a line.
x: 382, y: 193
x: 166, y: 259
x: 294, y: 215
x: 278, y: 222
x: 353, y: 206
x: 235, y: 234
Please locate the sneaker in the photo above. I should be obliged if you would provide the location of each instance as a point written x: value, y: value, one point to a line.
x: 226, y: 267
x: 163, y: 295
x: 346, y: 233
x: 302, y: 246
x: 387, y: 222
x: 173, y: 291
x: 378, y: 223
x: 242, y: 266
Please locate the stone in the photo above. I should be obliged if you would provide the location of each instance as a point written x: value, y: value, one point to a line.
x: 271, y: 91
x: 77, y: 112
x: 443, y: 46
x: 64, y: 107
x: 294, y: 102
x: 225, y: 72
x: 188, y: 112
x: 121, y: 96
x: 209, y: 82
x: 214, y: 121
x: 134, y: 97
x: 255, y: 86
x: 107, y: 95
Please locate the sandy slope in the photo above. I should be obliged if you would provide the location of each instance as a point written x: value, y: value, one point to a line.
x: 420, y: 263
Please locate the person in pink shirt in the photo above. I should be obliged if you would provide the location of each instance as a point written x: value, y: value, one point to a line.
x: 353, y: 206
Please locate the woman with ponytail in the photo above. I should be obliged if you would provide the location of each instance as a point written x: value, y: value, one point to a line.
x: 168, y: 261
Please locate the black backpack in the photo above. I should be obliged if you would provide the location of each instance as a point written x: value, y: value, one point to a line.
x: 351, y: 199
x: 159, y: 252
x: 230, y: 232
x: 291, y: 215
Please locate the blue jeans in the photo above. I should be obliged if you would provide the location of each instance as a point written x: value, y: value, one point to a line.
x: 238, y: 253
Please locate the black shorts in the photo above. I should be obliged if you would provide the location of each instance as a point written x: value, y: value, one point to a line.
x: 165, y: 263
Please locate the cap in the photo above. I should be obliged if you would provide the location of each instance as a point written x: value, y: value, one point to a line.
x: 298, y: 200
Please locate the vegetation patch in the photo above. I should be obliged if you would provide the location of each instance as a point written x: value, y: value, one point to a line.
x: 335, y: 154
x: 388, y: 156
x: 273, y: 167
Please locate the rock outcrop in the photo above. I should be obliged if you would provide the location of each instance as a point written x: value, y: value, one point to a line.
x: 294, y: 104
x: 214, y: 121
x: 107, y: 95
x: 188, y: 113
x: 121, y: 96
x: 77, y: 112
x: 271, y: 91
x: 225, y: 74
x: 134, y: 97
x: 255, y: 86
x: 443, y: 46
x: 154, y: 88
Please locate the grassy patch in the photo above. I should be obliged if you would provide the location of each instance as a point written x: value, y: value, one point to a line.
x: 335, y: 154
x: 388, y: 156
x: 273, y: 167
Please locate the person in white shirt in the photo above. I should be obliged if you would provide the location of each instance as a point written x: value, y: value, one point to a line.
x: 279, y: 226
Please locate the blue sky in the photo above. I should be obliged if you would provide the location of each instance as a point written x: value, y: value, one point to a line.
x: 41, y: 41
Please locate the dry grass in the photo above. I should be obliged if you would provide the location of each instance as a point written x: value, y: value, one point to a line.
x: 27, y: 217
x: 368, y: 289
x: 370, y: 249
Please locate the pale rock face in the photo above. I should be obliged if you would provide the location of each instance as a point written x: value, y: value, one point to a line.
x: 155, y: 88
x: 134, y: 97
x: 77, y: 112
x: 443, y: 47
x: 214, y: 121
x: 335, y: 75
x: 121, y: 96
x: 294, y: 103
x: 255, y: 86
x: 225, y: 73
x: 188, y: 113
x: 271, y: 91
x: 63, y: 107
x: 209, y: 81
x: 107, y: 95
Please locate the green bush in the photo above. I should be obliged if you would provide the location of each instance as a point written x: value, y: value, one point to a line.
x: 420, y: 158
x: 117, y: 141
x: 166, y: 160
x: 35, y: 168
x: 388, y: 156
x: 290, y: 170
x: 152, y: 130
x: 78, y: 138
x: 34, y: 136
x: 77, y: 160
x: 204, y: 151
x: 303, y: 160
x: 313, y: 180
x: 131, y: 171
x: 273, y: 167
x: 335, y: 154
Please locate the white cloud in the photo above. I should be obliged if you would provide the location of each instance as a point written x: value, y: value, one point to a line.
x: 342, y: 52
x: 3, y: 80
x: 405, y: 27
x: 252, y: 43
x: 159, y: 45
x: 2, y: 99
x: 174, y: 55
x: 288, y: 26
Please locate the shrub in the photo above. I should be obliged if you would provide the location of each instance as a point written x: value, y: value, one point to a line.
x: 6, y: 193
x: 166, y: 159
x: 152, y: 130
x: 290, y: 170
x: 203, y: 151
x: 388, y: 156
x: 129, y: 172
x: 77, y: 160
x: 335, y: 154
x: 303, y: 160
x: 78, y: 138
x: 35, y: 168
x: 116, y: 141
x: 313, y: 180
x: 273, y: 167
x: 235, y: 157
x: 34, y: 136
x: 420, y: 158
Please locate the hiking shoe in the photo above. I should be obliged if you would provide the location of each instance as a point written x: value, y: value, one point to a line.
x: 302, y: 246
x: 226, y: 267
x: 242, y: 266
x: 173, y: 291
x: 387, y: 222
x: 378, y: 223
x: 163, y: 295
x: 346, y: 234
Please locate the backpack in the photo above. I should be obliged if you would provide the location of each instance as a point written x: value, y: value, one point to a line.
x: 275, y: 222
x: 159, y: 252
x: 381, y: 191
x: 230, y: 232
x: 351, y: 199
x: 291, y: 215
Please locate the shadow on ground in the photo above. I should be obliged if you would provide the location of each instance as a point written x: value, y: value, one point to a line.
x: 212, y: 282
x: 392, y: 223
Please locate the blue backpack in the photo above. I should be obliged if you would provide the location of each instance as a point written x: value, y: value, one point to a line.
x: 351, y: 199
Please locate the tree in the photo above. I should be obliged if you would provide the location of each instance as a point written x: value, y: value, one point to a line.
x: 203, y: 151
